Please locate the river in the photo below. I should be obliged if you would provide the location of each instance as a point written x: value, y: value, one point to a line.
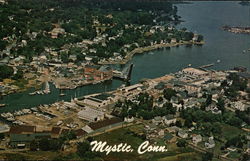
x: 205, y: 18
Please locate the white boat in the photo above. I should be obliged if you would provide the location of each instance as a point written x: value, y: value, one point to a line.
x: 62, y: 94
x: 32, y: 93
x: 218, y: 61
x: 47, y: 89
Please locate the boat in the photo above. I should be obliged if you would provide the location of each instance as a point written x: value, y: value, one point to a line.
x: 2, y: 105
x: 47, y: 89
x: 218, y: 61
x: 62, y: 94
x: 32, y: 93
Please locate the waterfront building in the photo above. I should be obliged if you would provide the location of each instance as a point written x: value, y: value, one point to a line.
x: 91, y: 114
x: 21, y: 136
x: 195, y: 72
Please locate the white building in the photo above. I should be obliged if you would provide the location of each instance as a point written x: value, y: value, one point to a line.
x: 91, y: 114
x: 196, y: 139
x: 182, y: 134
x: 169, y: 119
x: 210, y: 144
x: 239, y: 106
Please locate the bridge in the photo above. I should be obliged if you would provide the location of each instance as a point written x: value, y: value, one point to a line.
x: 125, y: 74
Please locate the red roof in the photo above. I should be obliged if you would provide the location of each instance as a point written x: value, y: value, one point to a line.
x: 55, y: 130
x: 80, y: 132
x: 104, y: 123
x: 22, y: 129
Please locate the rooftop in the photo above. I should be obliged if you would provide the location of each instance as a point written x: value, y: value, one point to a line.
x: 22, y: 129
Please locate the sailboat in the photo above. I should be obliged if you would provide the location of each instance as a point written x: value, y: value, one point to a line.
x: 47, y: 89
x: 61, y: 94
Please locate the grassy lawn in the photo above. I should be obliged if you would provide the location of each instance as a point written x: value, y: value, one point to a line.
x: 128, y: 135
x: 230, y: 131
x: 36, y: 155
x: 234, y: 155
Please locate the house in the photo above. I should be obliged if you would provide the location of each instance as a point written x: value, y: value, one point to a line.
x: 210, y: 144
x: 79, y: 133
x: 173, y: 129
x: 169, y: 119
x: 196, y: 138
x: 239, y: 106
x: 56, y: 31
x: 182, y: 134
x: 129, y: 119
x: 170, y: 138
x: 161, y: 133
x: 157, y: 120
x: 73, y: 57
x: 173, y: 40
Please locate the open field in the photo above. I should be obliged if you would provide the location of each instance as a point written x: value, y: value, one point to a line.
x: 128, y: 135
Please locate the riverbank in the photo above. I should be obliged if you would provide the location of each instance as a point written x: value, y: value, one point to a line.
x: 140, y: 50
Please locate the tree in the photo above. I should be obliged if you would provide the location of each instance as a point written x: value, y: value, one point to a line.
x: 169, y: 93
x: 221, y: 104
x: 178, y: 123
x: 2, y: 136
x: 181, y: 143
x: 209, y: 100
x: 188, y: 122
x: 44, y: 144
x: 18, y: 75
x: 2, y: 45
x: 235, y: 121
x: 82, y: 148
x: 64, y: 57
x: 33, y: 145
x: 200, y: 38
x: 207, y: 156
x: 6, y: 72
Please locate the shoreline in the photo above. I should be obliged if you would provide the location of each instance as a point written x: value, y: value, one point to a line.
x: 141, y: 50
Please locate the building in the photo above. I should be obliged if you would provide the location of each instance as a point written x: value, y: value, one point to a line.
x: 182, y: 134
x: 21, y: 136
x: 195, y: 72
x: 56, y: 31
x: 4, y: 128
x: 131, y: 90
x: 98, y: 101
x: 169, y: 119
x: 157, y: 120
x: 239, y: 106
x: 96, y: 72
x: 91, y: 115
x: 210, y: 144
x: 196, y: 138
